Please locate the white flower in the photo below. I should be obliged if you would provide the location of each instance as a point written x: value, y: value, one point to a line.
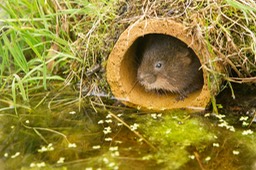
x: 107, y: 130
x: 134, y: 126
x: 61, y: 160
x: 101, y: 122
x: 108, y: 121
x: 247, y: 132
x: 15, y: 155
x: 72, y: 112
x: 108, y: 116
x: 113, y: 148
x: 153, y: 115
x: 191, y: 157
x: 47, y: 148
x: 216, y: 144
x: 235, y: 152
x: 72, y: 145
x: 108, y: 139
x: 243, y: 118
x: 96, y: 147
x: 208, y: 158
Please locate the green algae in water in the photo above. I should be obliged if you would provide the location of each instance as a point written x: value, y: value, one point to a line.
x: 57, y: 135
x: 174, y: 133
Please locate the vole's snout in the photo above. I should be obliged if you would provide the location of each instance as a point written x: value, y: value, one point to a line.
x: 146, y: 78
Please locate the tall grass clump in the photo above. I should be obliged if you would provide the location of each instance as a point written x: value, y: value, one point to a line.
x: 43, y: 41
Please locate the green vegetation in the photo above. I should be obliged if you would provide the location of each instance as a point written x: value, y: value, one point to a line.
x: 55, y: 110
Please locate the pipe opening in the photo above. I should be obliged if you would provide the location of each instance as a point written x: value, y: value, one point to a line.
x: 133, y: 60
x: 127, y: 56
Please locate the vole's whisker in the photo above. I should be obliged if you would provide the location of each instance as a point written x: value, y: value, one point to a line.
x: 136, y: 82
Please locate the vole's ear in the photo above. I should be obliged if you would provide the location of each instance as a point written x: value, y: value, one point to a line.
x: 185, y: 57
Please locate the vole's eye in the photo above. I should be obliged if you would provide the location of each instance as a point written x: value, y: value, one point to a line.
x: 158, y: 65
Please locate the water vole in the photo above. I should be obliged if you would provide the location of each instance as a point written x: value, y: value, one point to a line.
x: 168, y: 65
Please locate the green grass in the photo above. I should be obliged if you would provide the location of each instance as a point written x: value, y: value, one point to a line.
x: 44, y: 42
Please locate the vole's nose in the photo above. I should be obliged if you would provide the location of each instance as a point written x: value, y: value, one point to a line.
x: 146, y: 78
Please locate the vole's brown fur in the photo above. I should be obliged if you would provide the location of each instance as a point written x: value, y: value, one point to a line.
x: 167, y: 64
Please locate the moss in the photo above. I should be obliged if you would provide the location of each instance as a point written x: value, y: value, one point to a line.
x: 175, y: 134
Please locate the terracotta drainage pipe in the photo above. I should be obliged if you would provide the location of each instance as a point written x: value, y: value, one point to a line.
x: 122, y: 70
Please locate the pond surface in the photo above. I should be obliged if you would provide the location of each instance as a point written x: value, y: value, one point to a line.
x: 56, y: 130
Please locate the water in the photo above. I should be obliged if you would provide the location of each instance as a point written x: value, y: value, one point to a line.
x: 59, y: 134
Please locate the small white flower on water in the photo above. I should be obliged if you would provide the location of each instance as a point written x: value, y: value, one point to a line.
x: 119, y: 124
x: 223, y: 124
x: 235, y: 152
x: 134, y: 126
x: 168, y: 131
x: 119, y: 115
x: 107, y: 130
x: 147, y: 157
x: 96, y: 147
x: 115, y: 154
x: 140, y: 140
x: 108, y: 116
x: 15, y: 155
x: 118, y: 142
x: 245, y: 124
x: 111, y: 164
x: 207, y: 158
x: 231, y: 128
x: 72, y: 145
x: 108, y: 139
x: 153, y: 115
x: 27, y: 121
x: 89, y: 168
x: 108, y: 121
x: 12, y: 127
x: 72, y: 112
x: 32, y: 165
x: 159, y: 115
x: 191, y: 157
x: 40, y: 165
x: 45, y: 149
x: 207, y: 115
x: 61, y: 160
x: 101, y: 122
x: 6, y: 155
x: 113, y: 148
x: 247, y: 132
x: 105, y: 160
x: 220, y: 116
x: 243, y: 118
x: 216, y: 145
